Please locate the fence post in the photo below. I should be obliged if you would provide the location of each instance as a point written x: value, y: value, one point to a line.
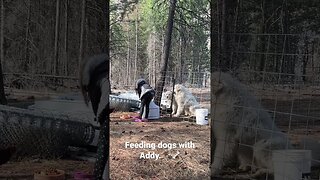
x: 173, y: 84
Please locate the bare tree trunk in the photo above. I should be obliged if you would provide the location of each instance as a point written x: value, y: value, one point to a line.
x: 83, y: 19
x: 234, y: 61
x: 162, y: 51
x: 299, y: 65
x: 86, y: 30
x: 56, y: 39
x: 193, y: 63
x: 180, y: 61
x: 106, y: 32
x: 128, y: 61
x: 154, y: 59
x: 136, y: 49
x: 285, y: 18
x: 150, y: 57
x: 2, y: 33
x: 262, y: 39
x: 66, y: 25
x: 177, y: 66
x: 226, y: 10
x: 39, y: 38
x: 165, y: 59
x: 3, y: 99
x: 223, y: 46
x: 199, y: 72
x: 27, y: 55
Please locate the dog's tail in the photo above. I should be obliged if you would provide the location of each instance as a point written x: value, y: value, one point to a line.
x: 314, y: 146
x: 90, y: 70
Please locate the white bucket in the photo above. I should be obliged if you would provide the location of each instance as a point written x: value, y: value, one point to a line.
x: 154, y: 111
x: 291, y: 164
x: 202, y: 116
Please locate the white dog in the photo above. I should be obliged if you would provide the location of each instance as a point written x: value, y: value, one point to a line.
x: 183, y: 102
x: 242, y: 127
x: 166, y: 99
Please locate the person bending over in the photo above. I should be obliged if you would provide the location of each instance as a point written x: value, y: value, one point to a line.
x: 146, y: 93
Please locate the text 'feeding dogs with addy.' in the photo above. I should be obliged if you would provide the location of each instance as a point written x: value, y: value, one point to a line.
x: 243, y: 131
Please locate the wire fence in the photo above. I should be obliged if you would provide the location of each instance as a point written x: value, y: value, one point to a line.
x: 281, y: 72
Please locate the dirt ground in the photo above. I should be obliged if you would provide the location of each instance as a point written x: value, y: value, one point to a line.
x: 177, y: 163
x: 26, y: 168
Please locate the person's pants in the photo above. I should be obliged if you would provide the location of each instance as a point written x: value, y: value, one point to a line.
x: 145, y: 102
